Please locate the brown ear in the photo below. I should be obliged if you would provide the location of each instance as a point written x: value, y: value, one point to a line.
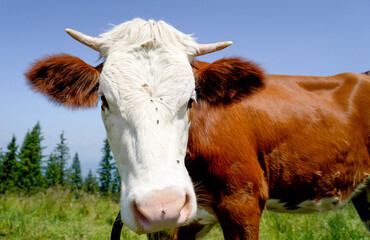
x: 227, y: 80
x: 66, y: 80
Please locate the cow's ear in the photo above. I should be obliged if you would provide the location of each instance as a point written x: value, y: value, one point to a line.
x: 228, y: 80
x: 66, y: 80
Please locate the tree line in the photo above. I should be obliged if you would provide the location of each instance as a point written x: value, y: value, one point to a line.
x: 25, y: 168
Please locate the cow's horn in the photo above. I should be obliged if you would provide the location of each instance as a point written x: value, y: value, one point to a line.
x: 92, y: 42
x: 212, y: 47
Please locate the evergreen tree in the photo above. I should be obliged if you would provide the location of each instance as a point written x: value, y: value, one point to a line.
x: 68, y: 181
x: 90, y: 184
x: 1, y: 169
x: 62, y: 154
x: 56, y: 166
x: 105, y: 168
x: 116, y: 180
x: 75, y: 177
x: 1, y: 159
x: 8, y: 172
x: 52, y: 174
x: 29, y: 176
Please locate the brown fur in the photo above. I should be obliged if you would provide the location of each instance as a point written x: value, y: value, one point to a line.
x: 292, y: 138
x: 66, y: 80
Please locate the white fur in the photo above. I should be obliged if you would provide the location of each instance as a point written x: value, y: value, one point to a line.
x: 147, y: 81
x: 206, y: 217
x: 307, y: 206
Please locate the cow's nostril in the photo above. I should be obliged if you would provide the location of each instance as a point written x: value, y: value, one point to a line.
x: 142, y: 219
x: 185, y: 211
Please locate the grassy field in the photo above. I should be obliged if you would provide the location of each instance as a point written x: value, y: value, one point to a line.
x: 60, y: 214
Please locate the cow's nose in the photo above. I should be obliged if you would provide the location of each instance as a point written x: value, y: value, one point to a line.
x: 161, y: 209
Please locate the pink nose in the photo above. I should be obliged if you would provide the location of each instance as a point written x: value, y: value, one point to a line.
x: 162, y: 209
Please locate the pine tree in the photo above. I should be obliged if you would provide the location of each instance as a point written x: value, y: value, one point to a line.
x: 116, y: 180
x: 105, y: 168
x: 56, y: 165
x: 1, y: 159
x: 90, y: 184
x: 62, y: 154
x: 68, y: 181
x: 75, y: 177
x: 9, y: 163
x: 29, y: 175
x: 1, y: 170
x: 52, y: 175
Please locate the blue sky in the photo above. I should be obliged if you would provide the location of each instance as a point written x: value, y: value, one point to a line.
x: 285, y: 37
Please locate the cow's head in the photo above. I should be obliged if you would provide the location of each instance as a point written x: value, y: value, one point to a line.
x: 145, y: 85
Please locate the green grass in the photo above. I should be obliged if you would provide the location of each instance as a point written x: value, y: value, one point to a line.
x: 60, y: 214
x: 343, y: 223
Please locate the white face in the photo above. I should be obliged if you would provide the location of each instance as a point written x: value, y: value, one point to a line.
x: 147, y: 90
x: 146, y: 84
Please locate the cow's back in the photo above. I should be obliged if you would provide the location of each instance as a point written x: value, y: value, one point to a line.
x: 347, y: 92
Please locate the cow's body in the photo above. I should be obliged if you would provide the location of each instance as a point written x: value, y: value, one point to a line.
x: 296, y: 144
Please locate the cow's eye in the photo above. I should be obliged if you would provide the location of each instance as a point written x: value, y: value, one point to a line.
x: 190, y: 103
x: 104, y: 103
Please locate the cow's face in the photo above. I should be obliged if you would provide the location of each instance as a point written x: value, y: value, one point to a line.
x: 145, y: 92
x: 145, y: 85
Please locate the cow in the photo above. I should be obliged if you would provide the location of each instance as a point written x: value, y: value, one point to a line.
x: 295, y: 144
x: 146, y: 85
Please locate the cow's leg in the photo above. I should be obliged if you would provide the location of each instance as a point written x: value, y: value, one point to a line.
x: 194, y: 231
x: 239, y: 217
x: 362, y: 204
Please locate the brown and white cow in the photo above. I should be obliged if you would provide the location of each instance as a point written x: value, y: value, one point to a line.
x: 256, y: 141
x: 294, y: 144
x: 145, y: 85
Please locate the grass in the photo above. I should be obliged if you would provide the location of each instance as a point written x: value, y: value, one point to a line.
x: 343, y: 223
x: 58, y: 214
x: 61, y: 214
